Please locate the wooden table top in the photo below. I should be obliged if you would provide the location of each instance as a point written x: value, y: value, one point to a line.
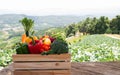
x: 86, y: 68
x: 97, y: 68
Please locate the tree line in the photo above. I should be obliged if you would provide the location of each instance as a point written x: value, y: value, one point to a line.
x: 95, y: 26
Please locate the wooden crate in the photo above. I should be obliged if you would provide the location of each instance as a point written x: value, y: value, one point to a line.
x: 36, y: 64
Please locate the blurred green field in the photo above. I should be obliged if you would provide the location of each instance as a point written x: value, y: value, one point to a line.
x: 96, y: 48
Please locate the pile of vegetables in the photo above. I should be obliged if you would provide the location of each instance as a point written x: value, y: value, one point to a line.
x: 31, y: 44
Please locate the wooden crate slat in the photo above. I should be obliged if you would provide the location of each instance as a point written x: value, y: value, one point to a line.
x: 62, y: 71
x: 42, y: 65
x: 45, y: 72
x: 33, y: 73
x: 38, y: 57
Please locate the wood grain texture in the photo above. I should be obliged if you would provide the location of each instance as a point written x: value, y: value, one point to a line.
x: 47, y: 72
x: 38, y: 57
x: 96, y: 68
x: 42, y: 65
x: 86, y: 68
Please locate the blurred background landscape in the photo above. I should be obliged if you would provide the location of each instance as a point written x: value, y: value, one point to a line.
x: 91, y: 28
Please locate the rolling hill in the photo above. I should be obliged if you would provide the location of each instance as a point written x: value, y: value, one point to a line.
x: 41, y: 22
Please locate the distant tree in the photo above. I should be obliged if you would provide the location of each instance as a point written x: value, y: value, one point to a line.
x: 85, y: 26
x: 115, y: 25
x: 71, y: 30
x: 92, y: 25
x: 108, y: 31
x: 102, y: 25
x: 27, y: 25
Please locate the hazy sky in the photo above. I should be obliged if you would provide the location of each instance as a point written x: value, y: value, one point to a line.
x: 60, y: 7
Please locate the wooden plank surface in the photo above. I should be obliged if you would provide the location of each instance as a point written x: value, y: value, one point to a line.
x: 38, y: 57
x: 86, y: 68
x: 96, y: 68
x: 47, y: 72
x: 42, y: 65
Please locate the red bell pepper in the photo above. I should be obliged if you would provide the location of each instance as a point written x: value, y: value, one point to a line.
x: 35, y: 48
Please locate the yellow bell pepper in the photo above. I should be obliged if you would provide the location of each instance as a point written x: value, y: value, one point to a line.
x: 28, y: 39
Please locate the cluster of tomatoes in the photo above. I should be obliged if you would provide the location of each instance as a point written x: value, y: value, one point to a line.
x: 37, y: 46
